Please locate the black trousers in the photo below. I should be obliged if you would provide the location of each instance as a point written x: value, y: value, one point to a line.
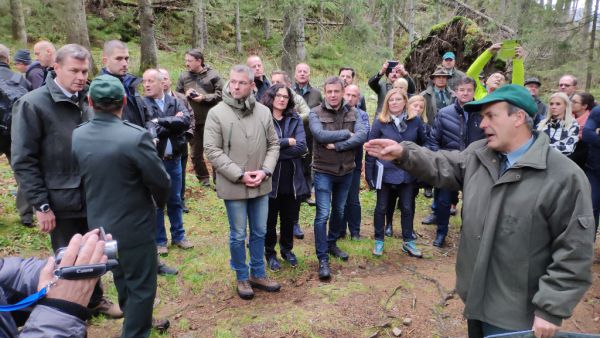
x: 60, y: 237
x: 135, y: 279
x: 287, y: 208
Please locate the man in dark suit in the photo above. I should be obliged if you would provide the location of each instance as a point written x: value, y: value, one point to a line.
x: 172, y: 119
x: 125, y: 164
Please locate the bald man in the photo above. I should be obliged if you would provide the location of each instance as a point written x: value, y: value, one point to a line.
x: 260, y: 80
x: 45, y: 56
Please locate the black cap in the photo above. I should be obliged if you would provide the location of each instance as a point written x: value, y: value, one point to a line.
x: 532, y: 79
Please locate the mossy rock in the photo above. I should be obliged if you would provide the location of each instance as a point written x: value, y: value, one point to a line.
x: 459, y: 35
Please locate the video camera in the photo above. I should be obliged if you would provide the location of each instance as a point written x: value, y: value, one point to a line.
x: 90, y: 270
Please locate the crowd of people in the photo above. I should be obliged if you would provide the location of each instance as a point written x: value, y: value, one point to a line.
x: 104, y: 155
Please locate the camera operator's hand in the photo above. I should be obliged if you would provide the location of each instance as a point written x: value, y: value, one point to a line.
x: 519, y: 52
x: 75, y: 291
x: 401, y: 70
x: 46, y: 221
x: 383, y: 68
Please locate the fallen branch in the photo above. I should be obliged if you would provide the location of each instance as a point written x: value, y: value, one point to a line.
x: 473, y: 13
x: 444, y: 296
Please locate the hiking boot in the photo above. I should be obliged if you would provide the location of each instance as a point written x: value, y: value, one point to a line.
x: 205, y: 182
x: 107, y: 308
x: 410, y: 247
x: 160, y: 324
x: 162, y: 250
x: 378, y: 249
x: 337, y: 252
x: 244, y: 290
x: 428, y: 192
x: 290, y: 258
x: 184, y: 207
x: 273, y: 263
x: 430, y: 219
x: 165, y: 270
x: 389, y: 230
x: 439, y: 240
x: 184, y: 244
x: 264, y: 284
x: 298, y: 232
x: 324, y: 272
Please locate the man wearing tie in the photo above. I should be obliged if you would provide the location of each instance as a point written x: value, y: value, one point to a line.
x: 171, y: 120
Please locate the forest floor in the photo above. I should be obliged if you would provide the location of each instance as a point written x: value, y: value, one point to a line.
x: 367, y: 296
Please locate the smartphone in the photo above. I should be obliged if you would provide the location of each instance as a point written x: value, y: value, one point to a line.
x: 193, y: 94
x: 391, y: 65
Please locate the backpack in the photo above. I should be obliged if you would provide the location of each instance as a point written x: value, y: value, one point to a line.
x: 10, y: 91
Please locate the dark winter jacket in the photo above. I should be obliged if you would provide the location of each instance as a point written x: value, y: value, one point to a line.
x: 310, y: 94
x: 42, y: 125
x: 382, y: 87
x: 293, y: 128
x: 208, y: 83
x: 135, y: 111
x: 414, y: 132
x: 262, y: 85
x: 451, y: 132
x: 35, y: 74
x: 592, y: 138
x: 19, y: 278
x: 169, y: 126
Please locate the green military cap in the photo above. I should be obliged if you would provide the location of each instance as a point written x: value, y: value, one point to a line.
x: 106, y: 88
x: 515, y: 94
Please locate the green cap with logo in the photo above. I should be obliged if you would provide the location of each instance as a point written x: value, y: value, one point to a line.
x: 514, y: 94
x: 106, y: 88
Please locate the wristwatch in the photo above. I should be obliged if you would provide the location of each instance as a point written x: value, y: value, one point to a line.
x: 44, y: 208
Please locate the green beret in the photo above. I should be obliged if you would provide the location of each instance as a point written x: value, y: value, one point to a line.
x: 106, y: 88
x: 514, y: 94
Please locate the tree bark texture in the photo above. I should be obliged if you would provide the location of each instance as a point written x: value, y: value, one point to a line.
x: 588, y: 75
x: 391, y: 26
x: 19, y: 33
x: 77, y: 30
x: 238, y: 29
x: 148, y: 48
x: 199, y: 34
x: 294, y: 51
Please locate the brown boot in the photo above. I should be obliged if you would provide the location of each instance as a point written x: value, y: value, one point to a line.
x: 264, y: 284
x: 244, y: 290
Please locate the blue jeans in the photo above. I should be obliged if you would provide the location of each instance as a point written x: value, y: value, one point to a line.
x: 445, y: 198
x: 330, y: 195
x: 174, y: 206
x: 352, y: 211
x: 240, y: 212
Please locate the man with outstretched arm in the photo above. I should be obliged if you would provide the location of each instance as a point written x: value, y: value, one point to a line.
x: 526, y: 246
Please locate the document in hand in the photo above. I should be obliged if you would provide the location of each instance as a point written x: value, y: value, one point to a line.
x: 530, y: 334
x: 507, y: 51
x: 378, y: 175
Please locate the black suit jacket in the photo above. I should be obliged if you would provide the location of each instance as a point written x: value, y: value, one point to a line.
x: 169, y: 126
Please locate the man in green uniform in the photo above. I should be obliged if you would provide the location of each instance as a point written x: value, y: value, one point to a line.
x: 117, y: 158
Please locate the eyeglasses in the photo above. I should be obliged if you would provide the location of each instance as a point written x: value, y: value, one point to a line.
x: 281, y: 96
x: 565, y: 85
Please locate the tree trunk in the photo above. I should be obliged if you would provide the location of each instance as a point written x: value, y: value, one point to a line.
x: 238, y: 29
x: 199, y: 24
x: 266, y: 25
x: 293, y: 37
x: 391, y: 26
x: 542, y: 3
x: 588, y: 75
x: 19, y: 32
x: 321, y: 20
x: 411, y: 21
x: 77, y: 31
x: 148, y: 48
x: 587, y: 19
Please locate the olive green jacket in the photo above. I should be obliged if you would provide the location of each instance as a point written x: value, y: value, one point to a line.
x: 239, y: 136
x: 123, y: 177
x: 526, y: 244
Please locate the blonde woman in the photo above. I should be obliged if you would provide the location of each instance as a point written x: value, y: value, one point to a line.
x: 393, y: 123
x: 560, y: 124
x: 401, y: 84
